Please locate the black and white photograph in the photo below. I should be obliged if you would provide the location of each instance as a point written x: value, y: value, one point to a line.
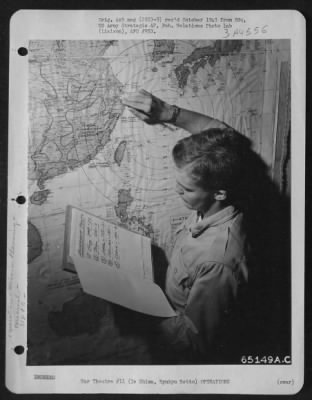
x: 155, y: 180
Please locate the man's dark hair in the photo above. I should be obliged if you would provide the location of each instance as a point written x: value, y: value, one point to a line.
x: 216, y: 158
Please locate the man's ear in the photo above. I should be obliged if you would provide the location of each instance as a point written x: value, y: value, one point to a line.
x: 220, y: 195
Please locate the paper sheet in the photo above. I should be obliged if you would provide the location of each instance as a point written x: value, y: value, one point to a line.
x: 122, y: 288
x: 115, y: 264
x: 97, y: 240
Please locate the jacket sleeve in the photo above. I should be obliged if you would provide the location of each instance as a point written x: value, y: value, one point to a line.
x: 211, y: 299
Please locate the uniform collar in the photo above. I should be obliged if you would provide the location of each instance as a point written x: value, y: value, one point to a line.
x: 219, y: 218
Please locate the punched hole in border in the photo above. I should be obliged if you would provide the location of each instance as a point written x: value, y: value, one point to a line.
x: 19, y: 350
x: 22, y: 51
x: 20, y: 199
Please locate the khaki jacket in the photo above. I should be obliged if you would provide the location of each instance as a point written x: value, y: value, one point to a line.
x: 207, y: 269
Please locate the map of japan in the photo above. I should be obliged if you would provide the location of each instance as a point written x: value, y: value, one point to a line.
x: 87, y: 150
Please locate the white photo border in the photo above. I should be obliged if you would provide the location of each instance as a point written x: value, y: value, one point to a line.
x: 29, y: 25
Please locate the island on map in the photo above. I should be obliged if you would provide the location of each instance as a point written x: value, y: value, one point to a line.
x: 39, y: 197
x: 120, y: 152
x: 135, y: 223
x: 124, y: 201
x: 203, y: 55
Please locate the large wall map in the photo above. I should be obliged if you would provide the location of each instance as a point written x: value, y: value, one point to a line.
x: 86, y: 149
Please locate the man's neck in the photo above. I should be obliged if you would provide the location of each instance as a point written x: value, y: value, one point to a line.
x: 213, y: 209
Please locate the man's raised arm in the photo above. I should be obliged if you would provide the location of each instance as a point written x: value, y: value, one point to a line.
x: 153, y: 110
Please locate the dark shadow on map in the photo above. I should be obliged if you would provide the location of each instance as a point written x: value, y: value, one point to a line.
x: 160, y: 265
x: 34, y: 242
x: 83, y: 313
x: 131, y: 322
x: 78, y: 316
